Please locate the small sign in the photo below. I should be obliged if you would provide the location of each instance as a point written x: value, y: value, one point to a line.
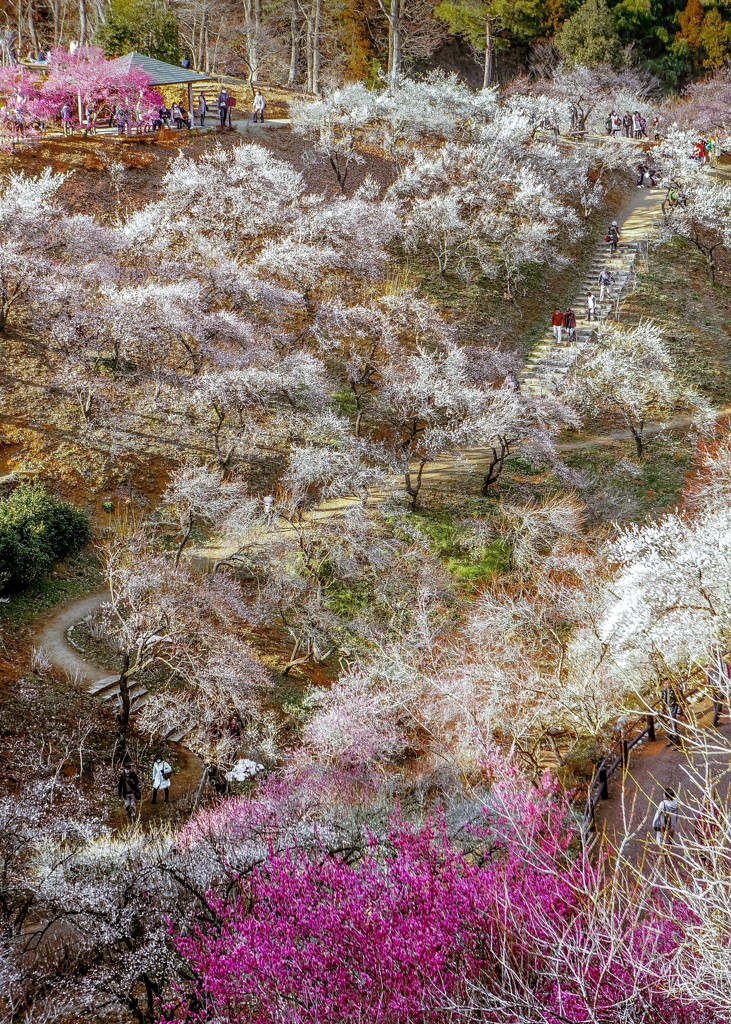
x: 230, y: 101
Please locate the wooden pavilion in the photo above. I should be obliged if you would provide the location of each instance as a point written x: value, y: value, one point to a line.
x: 160, y: 73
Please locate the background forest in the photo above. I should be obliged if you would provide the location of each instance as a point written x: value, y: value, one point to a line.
x: 319, y: 43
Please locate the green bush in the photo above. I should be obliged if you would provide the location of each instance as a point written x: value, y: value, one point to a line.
x: 36, y: 530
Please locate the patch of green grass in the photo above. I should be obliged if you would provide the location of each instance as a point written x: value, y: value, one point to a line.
x: 71, y: 578
x: 348, y: 599
x: 641, y: 490
x: 444, y: 531
x: 345, y: 402
x: 694, y: 313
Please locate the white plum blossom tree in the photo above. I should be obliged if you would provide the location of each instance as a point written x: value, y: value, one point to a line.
x: 630, y: 378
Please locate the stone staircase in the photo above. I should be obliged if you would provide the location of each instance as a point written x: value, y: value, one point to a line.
x: 107, y: 689
x: 549, y: 362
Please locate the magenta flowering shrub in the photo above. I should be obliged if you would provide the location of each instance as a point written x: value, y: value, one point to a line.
x: 523, y: 931
x: 28, y: 101
x: 101, y: 83
x: 22, y: 106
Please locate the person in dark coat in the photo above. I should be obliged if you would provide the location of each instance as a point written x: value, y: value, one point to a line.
x: 223, y: 106
x: 128, y: 789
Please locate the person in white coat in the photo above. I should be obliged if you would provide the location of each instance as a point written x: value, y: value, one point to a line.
x: 665, y: 822
x: 161, y: 772
x: 259, y: 106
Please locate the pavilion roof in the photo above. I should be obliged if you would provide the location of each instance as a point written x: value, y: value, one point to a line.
x: 159, y: 72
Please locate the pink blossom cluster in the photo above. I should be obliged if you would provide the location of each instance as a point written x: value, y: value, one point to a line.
x: 28, y: 100
x: 418, y: 931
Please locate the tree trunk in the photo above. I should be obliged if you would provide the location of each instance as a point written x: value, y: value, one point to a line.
x: 414, y: 487
x: 19, y: 23
x: 252, y: 31
x: 487, y: 78
x: 499, y: 455
x: 317, y: 9
x: 184, y: 540
x: 201, y: 787
x: 124, y: 708
x: 82, y: 22
x: 294, y: 34
x: 32, y: 29
x: 395, y: 49
x: 308, y: 50
x: 637, y: 436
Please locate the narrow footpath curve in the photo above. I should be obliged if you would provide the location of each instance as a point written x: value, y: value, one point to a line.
x: 53, y: 639
x: 65, y: 656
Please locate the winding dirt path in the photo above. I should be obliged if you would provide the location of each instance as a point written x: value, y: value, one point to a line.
x: 53, y: 638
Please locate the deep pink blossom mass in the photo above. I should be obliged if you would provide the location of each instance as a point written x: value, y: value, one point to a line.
x: 418, y: 931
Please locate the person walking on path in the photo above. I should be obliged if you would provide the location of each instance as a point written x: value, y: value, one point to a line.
x: 570, y: 323
x: 161, y: 772
x: 718, y: 679
x: 558, y: 323
x: 613, y: 237
x: 202, y: 110
x: 68, y: 128
x: 627, y: 124
x: 223, y: 107
x: 671, y: 704
x: 590, y: 306
x: 259, y: 106
x: 128, y: 789
x: 665, y: 822
x: 605, y: 280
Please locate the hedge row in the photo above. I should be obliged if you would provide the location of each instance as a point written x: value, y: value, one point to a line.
x: 36, y: 530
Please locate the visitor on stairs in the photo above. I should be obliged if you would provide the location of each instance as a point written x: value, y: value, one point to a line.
x: 570, y: 323
x: 202, y: 110
x: 590, y: 306
x: 613, y: 237
x: 558, y: 323
x: 627, y: 124
x: 605, y: 280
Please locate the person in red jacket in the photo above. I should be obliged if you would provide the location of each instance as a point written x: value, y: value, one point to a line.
x: 558, y: 323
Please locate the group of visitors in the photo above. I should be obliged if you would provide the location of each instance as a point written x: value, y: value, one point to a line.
x: 565, y: 319
x: 129, y: 787
x: 226, y: 102
x: 707, y: 150
x: 633, y: 124
x: 175, y: 116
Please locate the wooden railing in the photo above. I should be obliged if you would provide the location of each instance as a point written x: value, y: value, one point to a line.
x: 643, y: 726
